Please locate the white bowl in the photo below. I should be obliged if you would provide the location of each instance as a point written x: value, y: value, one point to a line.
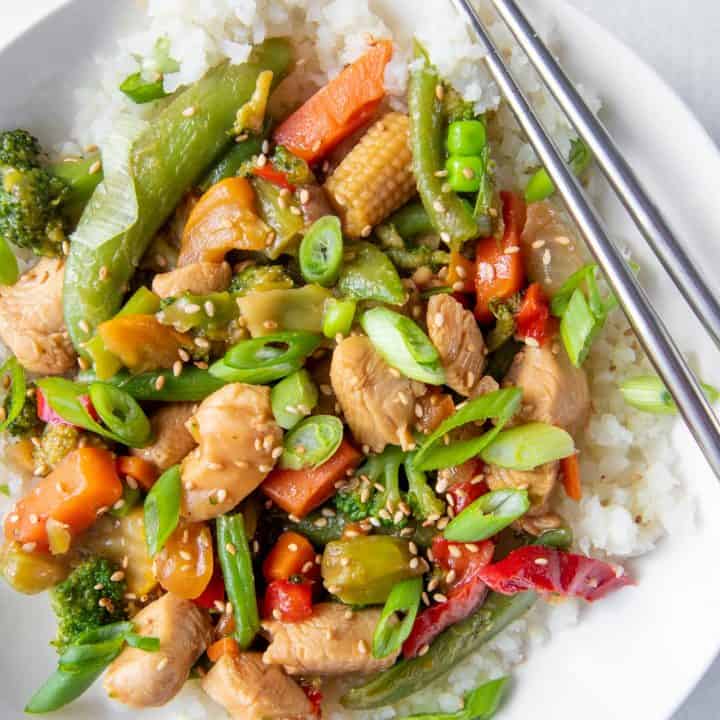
x: 636, y: 654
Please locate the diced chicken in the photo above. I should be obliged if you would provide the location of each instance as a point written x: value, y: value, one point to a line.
x: 550, y: 247
x: 172, y: 441
x: 554, y: 390
x: 333, y: 641
x: 539, y: 483
x: 199, y: 278
x: 147, y: 679
x: 458, y: 339
x: 536, y: 524
x: 251, y: 690
x: 31, y: 319
x: 377, y: 401
x: 238, y: 444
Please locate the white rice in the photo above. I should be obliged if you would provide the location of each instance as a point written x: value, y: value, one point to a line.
x: 633, y: 494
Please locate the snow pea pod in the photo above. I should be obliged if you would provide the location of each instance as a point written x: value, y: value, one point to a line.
x: 449, y: 215
x: 9, y: 271
x: 448, y: 649
x: 411, y: 220
x: 165, y: 159
x: 368, y: 274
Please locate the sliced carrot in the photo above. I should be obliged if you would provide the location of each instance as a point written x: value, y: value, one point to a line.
x: 345, y: 104
x: 292, y: 554
x: 300, y: 491
x: 85, y: 482
x: 570, y: 468
x: 500, y: 274
x: 141, y: 470
x: 461, y: 271
x: 224, y: 646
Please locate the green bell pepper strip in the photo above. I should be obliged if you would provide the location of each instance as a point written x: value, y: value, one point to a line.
x: 403, y: 598
x: 647, y: 393
x: 488, y: 515
x: 412, y: 258
x: 321, y: 252
x: 448, y: 649
x: 276, y: 211
x: 318, y: 436
x: 150, y: 173
x: 81, y: 183
x: 501, y: 405
x: 193, y: 385
x: 14, y: 370
x: 162, y: 509
x: 526, y: 447
x: 338, y: 317
x: 411, y: 220
x: 9, y: 270
x: 292, y: 398
x: 368, y: 274
x: 449, y: 215
x: 479, y: 704
x: 238, y: 574
x: 209, y: 315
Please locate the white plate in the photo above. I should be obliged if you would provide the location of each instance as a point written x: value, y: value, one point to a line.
x: 636, y: 654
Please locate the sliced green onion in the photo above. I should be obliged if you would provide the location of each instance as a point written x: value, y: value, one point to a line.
x: 368, y: 274
x: 293, y: 398
x: 578, y: 328
x: 501, y: 405
x: 528, y: 446
x: 5, y: 489
x: 162, y: 509
x: 321, y: 251
x: 142, y: 642
x: 488, y: 515
x: 647, y: 393
x: 390, y: 635
x: 540, y: 187
x: 265, y: 359
x: 103, y: 633
x: 338, y: 317
x: 77, y: 658
x: 312, y: 442
x: 403, y: 345
x: 121, y: 414
x: 13, y: 369
x: 9, y: 271
x: 140, y: 91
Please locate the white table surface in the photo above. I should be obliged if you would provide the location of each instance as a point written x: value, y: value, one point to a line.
x: 678, y: 39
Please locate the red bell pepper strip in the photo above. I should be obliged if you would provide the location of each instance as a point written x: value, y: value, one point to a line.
x: 288, y: 601
x: 465, y: 597
x: 214, y: 592
x: 466, y: 493
x: 315, y: 696
x: 533, y: 320
x: 272, y: 174
x: 547, y: 570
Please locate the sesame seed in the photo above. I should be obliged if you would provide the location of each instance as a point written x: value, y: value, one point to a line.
x: 29, y: 547
x: 84, y: 326
x: 188, y: 111
x: 177, y: 368
x: 547, y: 257
x: 117, y: 576
x: 537, y: 244
x: 262, y: 160
x: 439, y: 91
x: 83, y: 364
x: 304, y: 197
x: 222, y: 495
x: 532, y: 342
x: 320, y: 522
x: 418, y: 410
x: 458, y: 286
x: 441, y: 173
x: 294, y: 210
x: 366, y: 231
x: 455, y: 551
x: 362, y: 647
x: 439, y: 320
x: 541, y: 561
x: 162, y: 664
x: 328, y: 512
x: 512, y: 249
x: 94, y: 168
x: 414, y: 563
x: 202, y: 342
x: 184, y: 355
x: 445, y: 237
x: 209, y: 308
x: 66, y: 247
x: 445, y: 187
x: 439, y: 598
x: 120, y: 503
x: 413, y: 548
x: 230, y: 548
x: 103, y: 273
x: 438, y: 206
x: 160, y: 382
x: 265, y: 147
x: 423, y: 650
x: 98, y: 586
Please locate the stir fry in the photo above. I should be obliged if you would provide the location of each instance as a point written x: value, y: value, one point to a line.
x: 298, y: 395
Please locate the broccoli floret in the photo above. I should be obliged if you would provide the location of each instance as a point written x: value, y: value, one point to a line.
x: 354, y: 504
x: 27, y: 423
x: 422, y: 499
x: 30, y: 196
x: 87, y: 599
x: 56, y: 442
x: 260, y: 277
x: 297, y: 170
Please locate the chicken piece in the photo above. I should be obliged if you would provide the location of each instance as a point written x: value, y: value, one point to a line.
x: 251, y: 690
x: 333, y: 641
x: 31, y: 320
x: 554, y: 390
x: 238, y: 444
x: 199, y: 278
x: 457, y: 337
x: 539, y: 483
x: 147, y: 679
x: 377, y: 401
x: 172, y: 440
x: 536, y: 524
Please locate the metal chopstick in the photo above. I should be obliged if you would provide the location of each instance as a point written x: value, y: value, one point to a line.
x: 662, y: 351
x: 621, y: 176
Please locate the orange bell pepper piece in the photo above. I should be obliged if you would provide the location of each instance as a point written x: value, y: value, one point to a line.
x: 461, y: 271
x: 290, y: 556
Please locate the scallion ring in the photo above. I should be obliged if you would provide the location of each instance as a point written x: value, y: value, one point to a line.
x: 121, y: 414
x: 12, y: 369
x: 321, y: 252
x: 162, y: 509
x: 488, y: 515
x: 312, y: 442
x: 647, y: 393
x: 528, y: 446
x: 293, y: 398
x: 389, y: 635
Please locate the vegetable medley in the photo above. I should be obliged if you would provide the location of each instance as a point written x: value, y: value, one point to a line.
x: 287, y: 380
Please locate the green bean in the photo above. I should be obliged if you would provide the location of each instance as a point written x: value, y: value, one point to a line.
x: 229, y: 164
x: 277, y: 212
x: 389, y: 636
x: 448, y: 649
x: 236, y: 562
x: 321, y: 252
x: 411, y: 220
x: 165, y: 160
x: 412, y: 258
x: 338, y: 317
x: 12, y: 369
x: 9, y: 270
x: 312, y: 442
x: 449, y: 215
x: 292, y: 398
x: 162, y: 509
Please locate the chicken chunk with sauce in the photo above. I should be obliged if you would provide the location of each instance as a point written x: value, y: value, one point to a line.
x: 377, y: 401
x: 251, y: 690
x: 31, y: 319
x: 539, y: 483
x: 238, y: 444
x: 199, y: 278
x: 333, y: 641
x: 172, y: 441
x: 149, y: 679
